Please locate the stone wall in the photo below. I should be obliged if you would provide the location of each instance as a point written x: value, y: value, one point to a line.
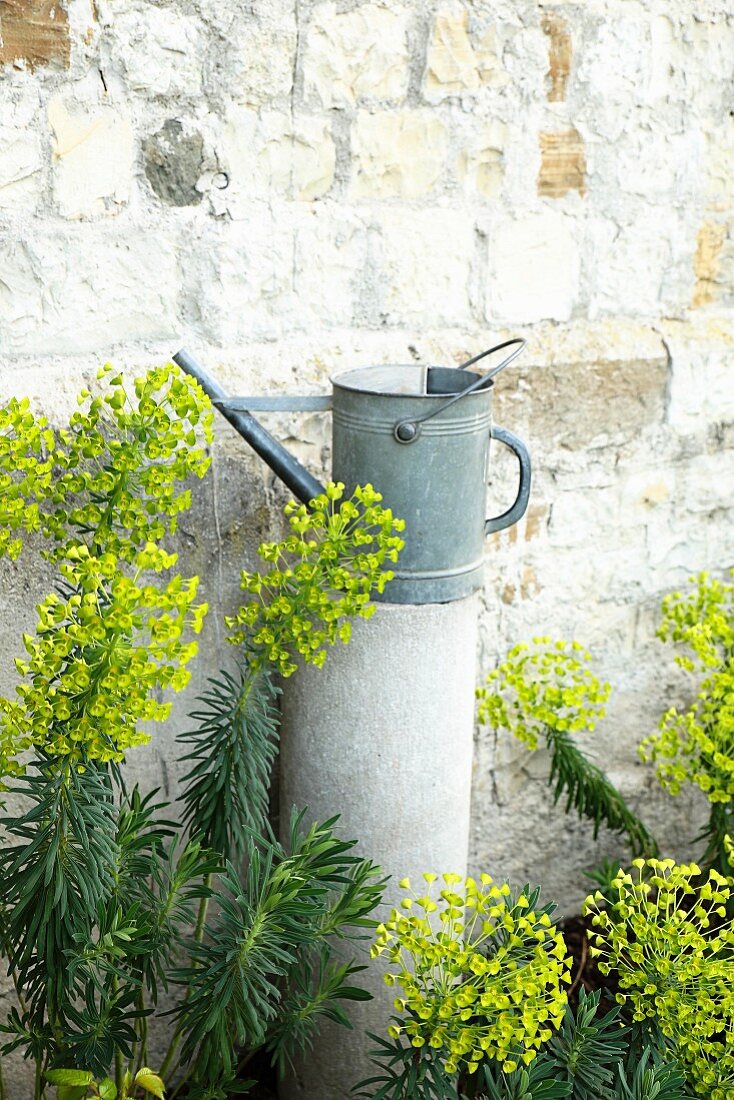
x: 290, y: 187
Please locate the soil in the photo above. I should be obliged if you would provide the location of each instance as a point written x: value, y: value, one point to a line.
x: 585, y: 972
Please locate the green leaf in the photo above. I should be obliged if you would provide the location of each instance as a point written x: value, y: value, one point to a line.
x: 71, y: 1092
x: 70, y: 1077
x: 151, y: 1082
x: 353, y: 993
x: 107, y: 1089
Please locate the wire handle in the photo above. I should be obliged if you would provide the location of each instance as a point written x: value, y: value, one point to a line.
x: 408, y: 430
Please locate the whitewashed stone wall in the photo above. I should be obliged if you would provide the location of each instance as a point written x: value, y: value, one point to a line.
x: 290, y: 187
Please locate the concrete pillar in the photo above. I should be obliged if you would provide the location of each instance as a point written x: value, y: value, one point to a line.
x: 383, y: 736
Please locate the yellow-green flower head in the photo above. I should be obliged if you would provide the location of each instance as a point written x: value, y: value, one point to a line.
x: 482, y: 971
x: 668, y: 934
x: 696, y: 745
x: 104, y: 492
x: 546, y: 686
x: 322, y: 577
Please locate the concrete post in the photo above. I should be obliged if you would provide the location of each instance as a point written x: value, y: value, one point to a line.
x: 383, y: 736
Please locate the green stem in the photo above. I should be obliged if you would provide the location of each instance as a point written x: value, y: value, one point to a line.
x: 203, y: 907
x: 142, y: 1059
x: 119, y: 1068
x: 198, y: 937
x: 37, y: 1093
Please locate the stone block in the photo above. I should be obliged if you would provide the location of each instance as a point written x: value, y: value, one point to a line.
x: 397, y: 154
x: 562, y: 164
x: 534, y: 268
x: 243, y: 284
x: 92, y: 156
x: 713, y: 263
x: 641, y: 268
x: 307, y: 152
x: 719, y: 165
x: 480, y: 164
x: 22, y: 170
x: 560, y: 53
x: 158, y: 50
x: 705, y: 486
x: 581, y: 406
x: 458, y: 61
x: 702, y: 375
x: 358, y: 54
x: 265, y: 57
x: 173, y: 163
x: 34, y: 33
x: 269, y: 153
x: 423, y: 267
x: 333, y: 264
x: 85, y: 291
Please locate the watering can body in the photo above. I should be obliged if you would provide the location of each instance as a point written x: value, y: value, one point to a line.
x: 436, y: 482
x: 421, y: 436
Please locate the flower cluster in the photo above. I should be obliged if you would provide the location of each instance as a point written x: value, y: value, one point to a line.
x: 548, y: 687
x: 100, y: 654
x: 105, y: 491
x: 484, y: 982
x: 667, y: 934
x: 697, y: 745
x: 111, y: 478
x: 26, y: 443
x: 143, y: 448
x: 322, y: 576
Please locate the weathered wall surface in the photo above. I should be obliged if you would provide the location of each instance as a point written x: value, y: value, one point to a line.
x: 290, y: 187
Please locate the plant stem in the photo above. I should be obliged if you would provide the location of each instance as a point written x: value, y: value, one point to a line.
x: 142, y: 1059
x: 119, y: 1070
x: 38, y: 1081
x: 201, y: 916
x: 198, y: 937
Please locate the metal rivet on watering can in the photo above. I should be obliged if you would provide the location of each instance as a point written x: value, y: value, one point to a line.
x: 421, y: 436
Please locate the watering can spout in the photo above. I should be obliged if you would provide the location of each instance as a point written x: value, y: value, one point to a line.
x: 290, y: 471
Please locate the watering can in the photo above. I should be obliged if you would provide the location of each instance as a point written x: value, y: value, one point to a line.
x: 420, y: 435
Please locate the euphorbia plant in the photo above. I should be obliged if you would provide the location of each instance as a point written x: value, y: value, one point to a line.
x: 483, y: 975
x: 667, y: 935
x: 695, y: 745
x: 661, y: 930
x: 547, y: 693
x: 104, y: 903
x: 482, y: 971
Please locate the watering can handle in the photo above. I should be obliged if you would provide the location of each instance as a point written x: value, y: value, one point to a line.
x: 518, y: 509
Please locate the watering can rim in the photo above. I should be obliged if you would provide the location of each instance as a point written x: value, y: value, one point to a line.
x: 338, y: 380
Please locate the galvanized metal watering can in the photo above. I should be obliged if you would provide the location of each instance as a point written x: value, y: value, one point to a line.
x: 420, y: 435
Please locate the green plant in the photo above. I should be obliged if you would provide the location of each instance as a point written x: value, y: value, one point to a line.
x: 696, y: 745
x: 591, y: 1056
x: 104, y: 902
x: 538, y: 1081
x: 76, y: 1084
x: 587, y: 1050
x: 667, y: 935
x: 549, y: 693
x: 485, y: 982
x: 322, y: 576
x: 102, y: 493
x: 652, y: 1080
